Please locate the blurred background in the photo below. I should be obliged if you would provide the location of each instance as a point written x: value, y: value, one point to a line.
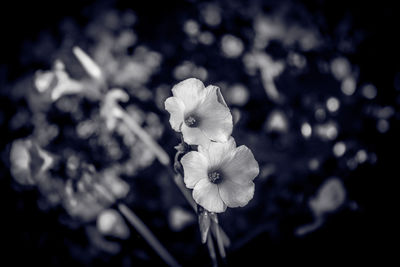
x: 314, y: 88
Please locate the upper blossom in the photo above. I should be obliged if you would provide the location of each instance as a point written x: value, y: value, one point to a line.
x: 199, y: 112
x: 221, y: 175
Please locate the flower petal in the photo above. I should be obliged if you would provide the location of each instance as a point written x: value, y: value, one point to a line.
x: 215, y: 118
x: 195, y: 168
x: 217, y: 153
x: 242, y: 168
x: 189, y: 91
x: 176, y: 108
x: 207, y: 195
x: 194, y: 136
x: 236, y: 195
x: 219, y: 94
x: 21, y: 161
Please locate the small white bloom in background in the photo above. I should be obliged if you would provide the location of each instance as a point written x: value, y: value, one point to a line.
x: 179, y: 218
x: 206, y: 38
x: 199, y: 112
x: 115, y: 185
x: 327, y: 131
x: 191, y: 28
x: 188, y: 69
x: 20, y: 160
x: 232, y: 47
x: 211, y: 14
x: 44, y: 80
x: 28, y: 161
x: 330, y: 196
x: 221, y: 175
x: 348, y: 85
x: 109, y: 110
x: 333, y: 104
x: 340, y: 68
x: 369, y: 91
x: 269, y: 69
x: 238, y: 94
x: 110, y: 223
x: 57, y: 81
x: 277, y: 122
x: 65, y: 84
x: 306, y: 130
x: 339, y: 149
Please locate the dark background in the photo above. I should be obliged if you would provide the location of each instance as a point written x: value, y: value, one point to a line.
x: 30, y: 236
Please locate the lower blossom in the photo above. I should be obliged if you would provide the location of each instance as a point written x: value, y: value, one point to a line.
x: 221, y: 175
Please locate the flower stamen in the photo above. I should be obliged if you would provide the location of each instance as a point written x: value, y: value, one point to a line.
x: 191, y: 121
x: 215, y: 177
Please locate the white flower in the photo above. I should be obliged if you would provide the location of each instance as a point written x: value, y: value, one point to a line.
x: 29, y: 161
x: 199, y: 112
x: 220, y: 175
x: 109, y: 108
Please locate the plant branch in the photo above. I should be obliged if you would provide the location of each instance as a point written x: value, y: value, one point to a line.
x: 147, y: 235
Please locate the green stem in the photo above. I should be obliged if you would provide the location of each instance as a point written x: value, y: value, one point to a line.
x: 147, y: 235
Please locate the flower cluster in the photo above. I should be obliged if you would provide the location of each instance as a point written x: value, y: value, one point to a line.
x: 220, y: 174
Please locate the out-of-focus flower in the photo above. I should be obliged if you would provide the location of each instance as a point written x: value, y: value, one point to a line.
x: 277, y: 122
x: 188, y: 69
x: 269, y: 69
x: 179, y: 218
x: 232, y: 47
x: 211, y: 14
x: 87, y: 200
x: 135, y: 71
x: 20, y: 162
x: 44, y: 80
x: 65, y: 84
x: 28, y: 161
x: 369, y: 91
x: 268, y: 28
x: 220, y: 175
x: 110, y: 223
x: 199, y: 112
x: 340, y: 68
x: 329, y: 197
x: 327, y: 131
x: 109, y: 110
x: 110, y: 180
x: 238, y: 94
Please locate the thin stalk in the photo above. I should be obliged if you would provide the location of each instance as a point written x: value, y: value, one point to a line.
x: 161, y: 155
x: 211, y: 250
x: 224, y: 237
x: 147, y: 235
x: 178, y: 179
x: 88, y: 64
x: 217, y: 233
x: 184, y: 190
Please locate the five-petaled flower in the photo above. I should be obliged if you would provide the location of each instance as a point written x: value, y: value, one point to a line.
x: 199, y: 112
x: 220, y: 175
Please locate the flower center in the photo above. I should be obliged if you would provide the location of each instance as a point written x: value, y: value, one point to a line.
x: 215, y: 177
x: 191, y: 121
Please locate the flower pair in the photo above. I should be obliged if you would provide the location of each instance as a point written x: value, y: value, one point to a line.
x: 220, y: 174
